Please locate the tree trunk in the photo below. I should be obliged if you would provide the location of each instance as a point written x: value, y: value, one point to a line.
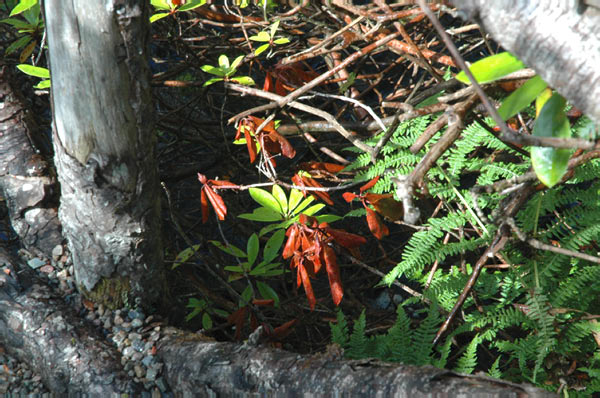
x: 105, y: 148
x: 559, y: 39
x: 25, y: 179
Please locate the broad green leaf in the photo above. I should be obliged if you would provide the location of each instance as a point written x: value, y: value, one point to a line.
x: 541, y: 100
x: 236, y: 62
x: 246, y: 295
x: 261, y: 49
x: 160, y: 4
x: 313, y: 209
x: 261, y: 36
x: 273, y: 227
x: 19, y: 43
x: 279, y: 194
x: 211, y: 81
x: 213, y: 70
x: 492, y: 68
x: 550, y: 164
x: 17, y: 23
x: 43, y: 84
x: 252, y: 249
x: 295, y: 198
x: 206, y: 321
x: 328, y: 218
x: 221, y: 313
x: 263, y: 214
x: 273, y: 246
x: 267, y: 269
x: 265, y: 199
x: 281, y: 40
x: 158, y: 15
x: 245, y: 80
x: 184, y: 255
x: 309, y: 199
x: 267, y: 292
x: 274, y: 27
x: 192, y: 4
x: 34, y: 71
x: 23, y: 6
x: 223, y: 61
x: 234, y: 268
x: 522, y: 97
x: 32, y: 14
x: 229, y: 249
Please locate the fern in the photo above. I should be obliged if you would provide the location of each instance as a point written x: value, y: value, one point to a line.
x: 468, y: 361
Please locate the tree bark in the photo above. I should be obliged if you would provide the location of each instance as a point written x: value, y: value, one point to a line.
x: 25, y: 179
x: 560, y: 39
x: 105, y: 148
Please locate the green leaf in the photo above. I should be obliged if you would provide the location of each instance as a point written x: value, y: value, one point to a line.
x: 234, y: 268
x: 184, y: 255
x: 223, y: 61
x: 19, y: 43
x: 274, y: 27
x: 23, y: 6
x: 267, y: 292
x: 261, y: 36
x: 213, y: 70
x: 206, y: 321
x: 262, y: 214
x: 229, y: 249
x: 295, y: 198
x: 236, y: 62
x: 17, y: 23
x: 245, y: 80
x: 328, y: 218
x: 550, y: 164
x: 246, y: 295
x: 43, y: 84
x: 492, y: 68
x: 252, y: 249
x: 36, y: 71
x: 272, y: 227
x: 309, y: 199
x: 313, y: 209
x: 261, y: 49
x: 211, y: 81
x: 282, y: 40
x: 158, y: 15
x: 522, y: 97
x: 348, y: 83
x: 192, y: 4
x: 160, y: 4
x: 267, y: 269
x: 279, y: 195
x: 273, y: 246
x: 265, y: 199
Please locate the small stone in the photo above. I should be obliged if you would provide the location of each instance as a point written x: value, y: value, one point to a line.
x: 139, y: 371
x: 138, y: 345
x: 124, y: 361
x: 134, y: 336
x: 154, y: 336
x: 90, y: 316
x: 36, y: 263
x: 151, y: 374
x: 126, y: 326
x: 57, y: 252
x: 129, y: 367
x: 137, y: 356
x: 47, y: 269
x: 133, y: 314
x: 128, y: 351
x: 100, y: 309
x: 149, y: 319
x: 156, y: 393
x: 107, y: 324
x: 119, y: 336
x: 148, y: 346
x: 148, y: 361
x: 97, y: 322
x: 118, y: 320
x: 136, y: 323
x: 161, y: 384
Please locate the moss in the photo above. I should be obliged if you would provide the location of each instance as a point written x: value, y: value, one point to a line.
x: 113, y: 293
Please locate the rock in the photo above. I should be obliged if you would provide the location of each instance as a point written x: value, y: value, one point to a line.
x: 57, y: 252
x: 151, y: 374
x: 162, y: 384
x: 133, y: 314
x: 136, y: 323
x: 118, y: 320
x: 139, y: 370
x: 134, y: 336
x: 128, y: 351
x: 36, y: 263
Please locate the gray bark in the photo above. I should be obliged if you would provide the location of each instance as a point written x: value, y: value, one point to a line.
x: 559, y: 39
x: 25, y: 178
x: 105, y: 147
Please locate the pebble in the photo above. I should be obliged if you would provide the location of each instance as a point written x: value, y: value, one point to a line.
x: 118, y: 320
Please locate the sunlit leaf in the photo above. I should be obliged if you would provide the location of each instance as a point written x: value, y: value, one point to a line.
x: 216, y: 201
x: 295, y: 198
x: 281, y: 40
x: 377, y: 227
x: 314, y: 209
x: 292, y: 243
x: 236, y: 62
x: 23, y: 6
x: 541, y: 100
x: 279, y: 194
x: 213, y: 70
x: 261, y: 49
x: 522, y: 97
x: 159, y: 15
x: 223, y: 61
x: 160, y: 4
x: 369, y: 184
x: 550, y: 164
x: 36, y: 71
x: 274, y: 27
x: 211, y: 81
x: 184, y: 255
x: 333, y: 273
x: 265, y: 199
x: 192, y: 4
x: 303, y: 205
x: 263, y: 214
x: 244, y: 80
x: 43, y: 84
x: 310, y: 295
x: 261, y: 36
x: 492, y: 68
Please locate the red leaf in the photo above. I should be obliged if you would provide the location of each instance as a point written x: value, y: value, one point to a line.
x: 333, y: 272
x: 238, y: 318
x: 369, y: 184
x: 204, y: 206
x: 223, y: 183
x: 349, y: 196
x: 320, y: 168
x: 375, y: 224
x: 304, y: 181
x: 281, y: 332
x: 250, y: 144
x: 263, y: 302
x: 386, y: 205
x: 310, y: 295
x: 345, y: 239
x: 202, y: 178
x: 217, y: 202
x: 268, y: 86
x: 292, y: 243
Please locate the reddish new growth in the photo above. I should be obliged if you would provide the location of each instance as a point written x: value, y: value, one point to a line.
x: 208, y: 193
x: 309, y: 246
x: 316, y: 169
x: 384, y: 204
x: 271, y: 142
